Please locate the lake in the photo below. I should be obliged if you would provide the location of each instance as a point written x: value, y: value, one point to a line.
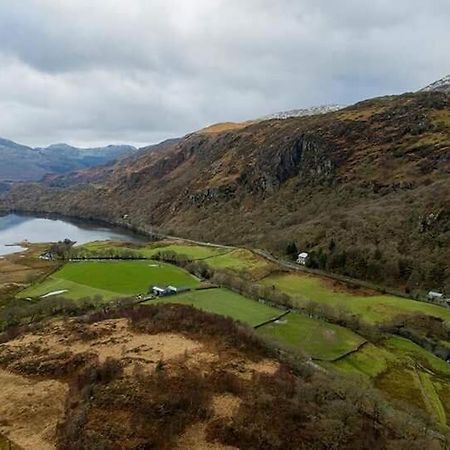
x: 17, y: 228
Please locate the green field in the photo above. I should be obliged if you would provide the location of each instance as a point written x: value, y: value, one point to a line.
x: 241, y: 260
x: 110, y: 279
x: 225, y: 303
x: 195, y: 252
x: 405, y: 372
x: 316, y: 338
x: 304, y: 288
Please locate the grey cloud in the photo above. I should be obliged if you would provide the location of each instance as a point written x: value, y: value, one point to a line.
x: 100, y: 71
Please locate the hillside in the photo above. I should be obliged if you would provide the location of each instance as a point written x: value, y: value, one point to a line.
x: 22, y: 163
x: 172, y: 377
x: 365, y: 189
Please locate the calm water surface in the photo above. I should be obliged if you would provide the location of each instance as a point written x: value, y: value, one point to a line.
x: 15, y: 229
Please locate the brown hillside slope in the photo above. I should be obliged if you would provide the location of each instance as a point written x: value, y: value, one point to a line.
x: 366, y: 189
x: 172, y: 377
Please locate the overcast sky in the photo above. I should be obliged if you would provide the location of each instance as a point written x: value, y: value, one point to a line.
x: 91, y: 72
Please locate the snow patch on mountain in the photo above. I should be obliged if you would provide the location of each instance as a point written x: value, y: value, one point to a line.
x: 313, y: 111
x: 442, y: 85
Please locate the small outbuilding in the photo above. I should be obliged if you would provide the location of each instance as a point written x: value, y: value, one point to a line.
x: 433, y: 296
x: 159, y: 291
x: 302, y: 258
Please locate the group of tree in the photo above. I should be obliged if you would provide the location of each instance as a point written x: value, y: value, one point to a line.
x: 105, y: 253
x: 377, y: 265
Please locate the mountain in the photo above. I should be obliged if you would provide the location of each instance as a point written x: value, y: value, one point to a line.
x: 315, y: 110
x: 442, y: 85
x: 19, y: 162
x: 365, y: 190
x: 22, y: 163
x: 98, y: 174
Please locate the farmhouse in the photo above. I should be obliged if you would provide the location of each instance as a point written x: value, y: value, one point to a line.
x: 302, y: 257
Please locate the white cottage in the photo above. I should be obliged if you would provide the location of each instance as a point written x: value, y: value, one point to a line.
x: 302, y: 257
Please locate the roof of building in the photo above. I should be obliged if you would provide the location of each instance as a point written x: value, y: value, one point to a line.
x: 303, y: 255
x: 436, y: 294
x: 159, y: 288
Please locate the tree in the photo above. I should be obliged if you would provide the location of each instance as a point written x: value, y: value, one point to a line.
x: 292, y: 250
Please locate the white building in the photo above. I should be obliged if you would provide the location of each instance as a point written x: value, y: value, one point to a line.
x: 302, y: 257
x: 432, y: 295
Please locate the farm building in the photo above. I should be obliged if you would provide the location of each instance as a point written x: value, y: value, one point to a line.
x: 433, y: 295
x: 165, y: 291
x: 302, y: 257
x: 162, y: 291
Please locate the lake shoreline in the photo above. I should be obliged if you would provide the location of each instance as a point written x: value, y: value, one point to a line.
x: 18, y: 227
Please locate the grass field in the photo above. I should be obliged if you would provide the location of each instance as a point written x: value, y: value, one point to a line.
x: 241, y: 260
x: 318, y: 339
x: 195, y: 252
x: 373, y: 308
x: 405, y: 372
x: 110, y: 279
x: 225, y: 303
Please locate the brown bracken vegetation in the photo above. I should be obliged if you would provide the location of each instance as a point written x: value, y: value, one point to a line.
x: 166, y: 376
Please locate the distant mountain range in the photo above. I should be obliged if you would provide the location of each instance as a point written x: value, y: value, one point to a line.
x: 22, y: 163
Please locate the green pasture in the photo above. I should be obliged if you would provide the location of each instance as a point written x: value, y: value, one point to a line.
x: 304, y: 288
x: 240, y: 260
x: 195, y: 252
x: 111, y: 279
x: 225, y: 303
x: 404, y: 372
x: 318, y: 339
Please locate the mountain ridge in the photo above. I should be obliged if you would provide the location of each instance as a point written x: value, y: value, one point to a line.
x: 23, y: 163
x: 364, y: 189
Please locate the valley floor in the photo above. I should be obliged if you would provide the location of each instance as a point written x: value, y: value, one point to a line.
x: 404, y: 372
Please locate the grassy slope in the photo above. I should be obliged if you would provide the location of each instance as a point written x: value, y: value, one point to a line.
x: 405, y: 372
x: 240, y: 260
x: 318, y: 339
x: 226, y: 303
x: 148, y: 251
x: 110, y: 279
x: 373, y: 308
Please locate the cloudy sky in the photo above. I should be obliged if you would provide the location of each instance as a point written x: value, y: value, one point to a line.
x: 92, y: 72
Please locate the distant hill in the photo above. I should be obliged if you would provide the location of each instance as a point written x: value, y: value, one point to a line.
x: 100, y: 173
x: 22, y: 163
